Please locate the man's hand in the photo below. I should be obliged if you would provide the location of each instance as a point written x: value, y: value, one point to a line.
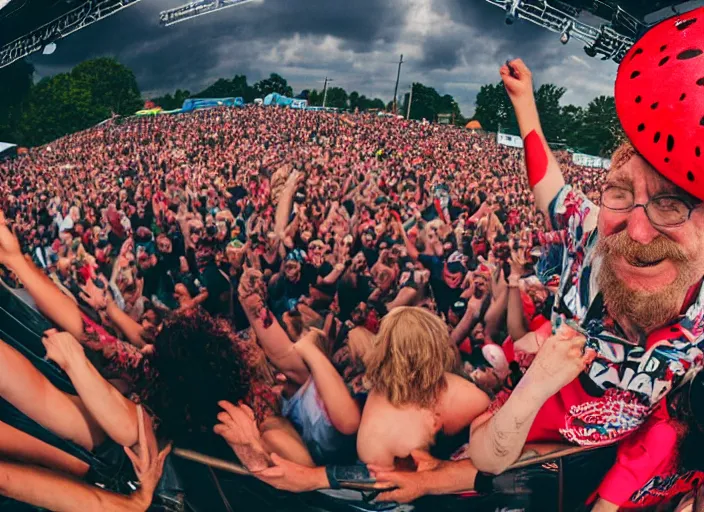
x: 308, y: 342
x: 559, y: 361
x: 148, y: 463
x: 239, y: 429
x: 62, y: 348
x: 9, y: 245
x: 518, y: 263
x: 519, y: 84
x: 95, y: 293
x: 289, y: 476
x: 406, y: 486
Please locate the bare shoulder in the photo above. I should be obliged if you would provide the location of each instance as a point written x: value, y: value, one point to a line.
x: 460, y: 385
x: 463, y: 402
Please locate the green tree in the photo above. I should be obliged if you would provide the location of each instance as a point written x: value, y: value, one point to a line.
x: 112, y: 86
x: 275, y: 83
x: 547, y: 98
x: 337, y: 97
x: 427, y: 104
x: 315, y: 98
x: 376, y: 103
x: 223, y: 88
x: 74, y: 101
x: 494, y: 109
x: 169, y: 102
x: 601, y: 131
x: 15, y: 86
x: 354, y: 100
x: 572, y: 123
x: 57, y: 106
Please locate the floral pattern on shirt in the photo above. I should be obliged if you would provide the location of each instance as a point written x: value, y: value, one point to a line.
x: 626, y: 381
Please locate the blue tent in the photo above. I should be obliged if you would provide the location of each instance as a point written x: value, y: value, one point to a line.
x: 199, y: 103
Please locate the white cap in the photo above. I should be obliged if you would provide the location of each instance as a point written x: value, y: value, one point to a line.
x: 494, y: 354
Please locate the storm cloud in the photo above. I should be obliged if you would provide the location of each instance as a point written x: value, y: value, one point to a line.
x: 453, y: 45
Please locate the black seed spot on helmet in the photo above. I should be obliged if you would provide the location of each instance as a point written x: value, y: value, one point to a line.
x: 674, y: 329
x: 683, y: 97
x: 667, y: 160
x: 670, y: 142
x: 638, y: 99
x: 663, y: 48
x: 663, y: 61
x: 635, y: 74
x: 637, y: 52
x: 686, y: 24
x: 641, y: 126
x: 702, y: 121
x: 689, y: 54
x: 698, y: 151
x: 654, y: 105
x: 701, y: 81
x: 656, y: 139
x: 690, y: 176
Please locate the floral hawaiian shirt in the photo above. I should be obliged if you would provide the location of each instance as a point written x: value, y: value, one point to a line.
x: 618, y: 392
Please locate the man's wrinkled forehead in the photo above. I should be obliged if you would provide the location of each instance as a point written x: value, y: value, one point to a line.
x: 635, y: 170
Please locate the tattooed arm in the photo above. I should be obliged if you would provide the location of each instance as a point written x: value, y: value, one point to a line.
x: 496, y: 443
x: 544, y: 175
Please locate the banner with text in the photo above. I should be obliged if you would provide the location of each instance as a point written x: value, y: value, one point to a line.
x: 590, y: 161
x: 509, y: 140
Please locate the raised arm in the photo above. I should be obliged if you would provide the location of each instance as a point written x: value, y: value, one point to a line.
x: 544, y: 175
x: 462, y: 329
x: 273, y: 339
x: 343, y: 410
x: 115, y: 414
x: 285, y: 203
x: 51, y: 301
x: 410, y: 246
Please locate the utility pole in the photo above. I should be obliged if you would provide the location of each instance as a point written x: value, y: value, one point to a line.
x: 325, y: 90
x: 398, y: 77
x: 410, y: 100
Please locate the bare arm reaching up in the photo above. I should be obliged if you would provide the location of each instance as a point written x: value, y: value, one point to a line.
x: 544, y: 175
x: 51, y: 301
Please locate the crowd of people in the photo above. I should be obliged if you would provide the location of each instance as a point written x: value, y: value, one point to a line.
x: 308, y: 290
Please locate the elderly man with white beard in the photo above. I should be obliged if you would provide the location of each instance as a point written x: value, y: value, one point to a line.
x: 629, y: 315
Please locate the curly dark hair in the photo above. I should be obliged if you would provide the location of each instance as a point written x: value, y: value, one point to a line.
x: 198, y: 362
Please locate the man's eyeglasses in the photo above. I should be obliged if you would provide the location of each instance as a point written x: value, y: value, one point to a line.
x: 664, y: 211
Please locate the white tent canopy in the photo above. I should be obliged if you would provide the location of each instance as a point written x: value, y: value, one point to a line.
x: 7, y: 149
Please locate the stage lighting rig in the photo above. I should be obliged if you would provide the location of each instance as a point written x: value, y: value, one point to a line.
x: 610, y: 40
x: 195, y: 9
x: 512, y: 11
x: 85, y: 14
x: 565, y: 36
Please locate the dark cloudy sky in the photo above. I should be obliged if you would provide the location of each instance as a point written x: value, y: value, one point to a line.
x: 453, y: 45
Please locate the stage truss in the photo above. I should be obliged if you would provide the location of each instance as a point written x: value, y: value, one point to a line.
x: 609, y: 40
x: 195, y: 9
x: 66, y: 24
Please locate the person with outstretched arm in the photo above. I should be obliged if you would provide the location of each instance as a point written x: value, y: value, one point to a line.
x: 629, y: 302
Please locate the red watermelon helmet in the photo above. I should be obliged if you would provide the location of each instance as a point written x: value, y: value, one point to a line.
x: 660, y: 99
